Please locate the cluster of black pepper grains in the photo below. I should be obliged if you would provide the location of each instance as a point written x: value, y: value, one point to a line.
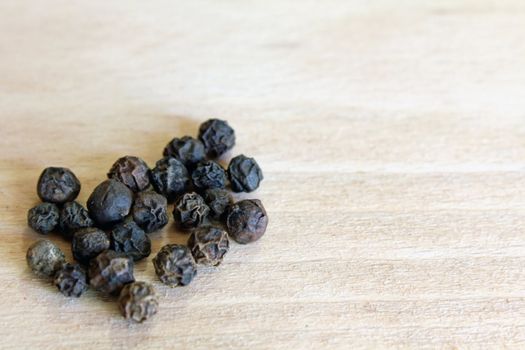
x: 108, y: 237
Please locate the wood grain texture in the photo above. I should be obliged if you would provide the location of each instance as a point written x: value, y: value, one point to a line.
x: 392, y: 138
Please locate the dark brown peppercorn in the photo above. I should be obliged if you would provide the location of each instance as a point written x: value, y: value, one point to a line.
x: 188, y: 150
x: 190, y: 211
x: 110, y: 271
x: 44, y: 258
x: 170, y: 178
x: 244, y: 173
x: 43, y: 218
x: 150, y: 211
x: 247, y: 221
x: 174, y: 265
x: 71, y: 280
x: 208, y: 245
x: 208, y: 174
x: 58, y: 185
x: 132, y: 172
x: 128, y: 238
x: 138, y: 301
x: 110, y: 202
x: 88, y: 243
x: 73, y: 216
x: 218, y: 200
x: 217, y: 137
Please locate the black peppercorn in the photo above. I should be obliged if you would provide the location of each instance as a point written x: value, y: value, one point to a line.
x: 73, y: 216
x: 132, y: 172
x: 247, y: 221
x: 150, y: 211
x: 208, y: 245
x: 44, y: 258
x: 87, y: 243
x: 188, y: 150
x: 170, y: 178
x: 71, y: 280
x: 244, y: 173
x: 174, y: 265
x: 43, y: 218
x: 138, y: 301
x: 217, y: 137
x: 110, y: 271
x: 58, y: 185
x: 208, y: 174
x: 218, y: 200
x: 128, y: 238
x: 110, y: 202
x: 190, y: 211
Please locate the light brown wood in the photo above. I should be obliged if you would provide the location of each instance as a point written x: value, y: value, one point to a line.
x: 392, y: 138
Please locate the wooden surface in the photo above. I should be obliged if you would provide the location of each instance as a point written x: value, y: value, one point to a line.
x: 392, y: 138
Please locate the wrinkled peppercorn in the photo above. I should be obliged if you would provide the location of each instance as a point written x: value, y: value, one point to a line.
x: 170, y: 178
x: 110, y: 271
x: 43, y: 218
x: 44, y: 258
x: 138, y: 301
x: 188, y: 150
x: 73, y: 216
x: 132, y: 172
x: 58, y: 185
x: 217, y: 137
x: 150, y: 211
x: 190, y: 211
x: 218, y: 200
x: 208, y: 174
x: 247, y: 221
x: 110, y: 202
x: 87, y: 243
x: 174, y: 265
x: 244, y: 173
x: 208, y: 245
x: 71, y: 280
x: 128, y: 238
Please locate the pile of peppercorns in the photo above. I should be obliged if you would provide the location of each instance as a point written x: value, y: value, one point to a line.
x: 108, y: 237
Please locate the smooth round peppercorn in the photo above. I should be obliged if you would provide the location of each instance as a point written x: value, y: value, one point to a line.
x: 218, y: 200
x: 73, y: 216
x: 132, y: 172
x: 58, y: 185
x: 150, y: 211
x: 43, y: 218
x: 208, y: 174
x: 44, y: 258
x: 128, y: 238
x: 190, y: 211
x: 110, y: 202
x: 208, y: 245
x: 110, y: 271
x: 138, y: 301
x: 245, y: 174
x: 87, y: 243
x: 247, y: 221
x: 217, y: 136
x: 188, y: 150
x: 174, y: 265
x: 170, y: 178
x: 71, y: 280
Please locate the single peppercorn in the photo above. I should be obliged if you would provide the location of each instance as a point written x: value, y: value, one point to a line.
x: 71, y: 280
x: 208, y: 245
x: 208, y: 174
x: 174, y: 265
x: 247, y: 221
x: 110, y: 202
x: 217, y: 137
x: 150, y: 211
x: 132, y: 172
x: 138, y: 301
x: 245, y: 174
x: 170, y: 178
x: 110, y: 271
x: 218, y: 200
x: 43, y: 218
x: 128, y: 238
x: 188, y: 150
x: 58, y: 185
x: 44, y: 258
x: 190, y: 211
x: 73, y: 216
x: 87, y: 243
